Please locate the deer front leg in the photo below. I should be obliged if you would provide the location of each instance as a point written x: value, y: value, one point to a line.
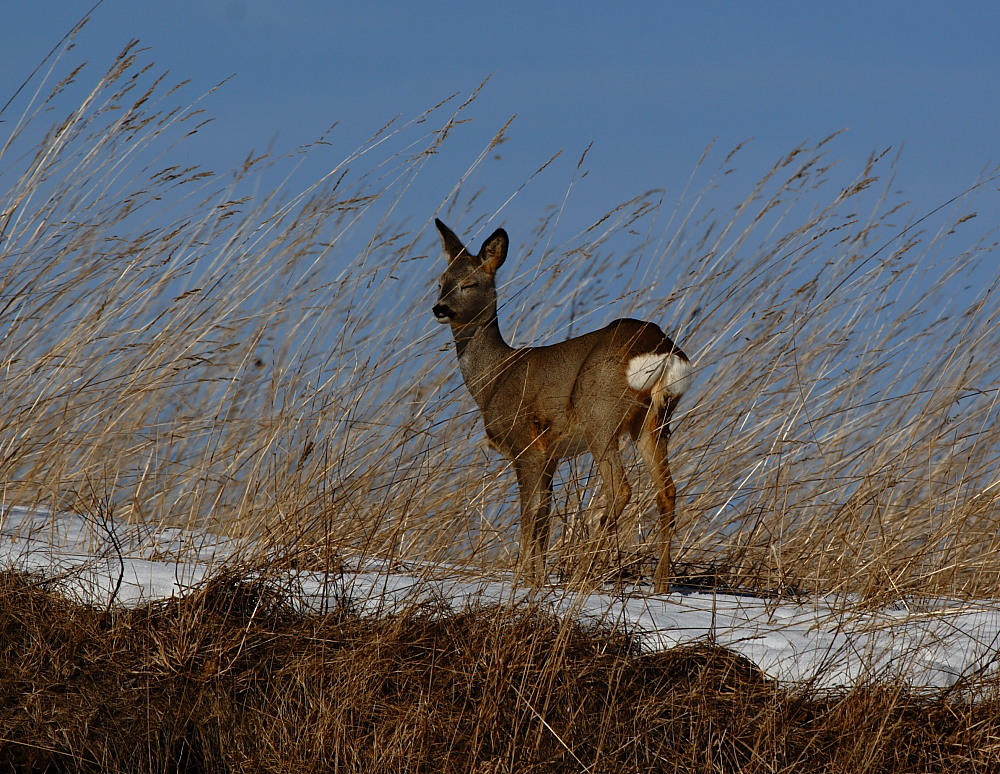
x: 534, y: 483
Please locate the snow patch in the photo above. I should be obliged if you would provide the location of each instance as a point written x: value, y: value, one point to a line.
x: 826, y: 640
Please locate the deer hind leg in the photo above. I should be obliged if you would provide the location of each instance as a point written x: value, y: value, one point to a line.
x: 652, y: 442
x: 534, y: 483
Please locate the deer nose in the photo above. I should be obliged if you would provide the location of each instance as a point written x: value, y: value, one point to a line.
x: 442, y: 312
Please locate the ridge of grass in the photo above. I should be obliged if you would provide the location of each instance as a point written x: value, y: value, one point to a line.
x: 231, y: 677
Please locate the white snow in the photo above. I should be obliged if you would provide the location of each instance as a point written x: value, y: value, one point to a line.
x: 831, y: 641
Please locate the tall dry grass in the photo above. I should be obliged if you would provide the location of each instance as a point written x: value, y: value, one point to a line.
x: 198, y: 349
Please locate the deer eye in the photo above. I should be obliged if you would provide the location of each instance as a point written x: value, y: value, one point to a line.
x: 469, y: 285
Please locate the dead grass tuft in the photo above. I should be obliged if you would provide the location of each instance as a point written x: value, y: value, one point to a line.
x: 231, y: 677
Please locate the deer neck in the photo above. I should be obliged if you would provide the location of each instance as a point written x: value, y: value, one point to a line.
x: 482, y: 356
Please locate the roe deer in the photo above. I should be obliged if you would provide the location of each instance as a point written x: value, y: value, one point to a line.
x: 544, y: 404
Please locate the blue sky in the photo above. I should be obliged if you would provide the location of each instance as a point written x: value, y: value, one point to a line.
x: 649, y: 84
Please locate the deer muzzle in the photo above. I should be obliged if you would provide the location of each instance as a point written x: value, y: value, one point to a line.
x: 443, y: 312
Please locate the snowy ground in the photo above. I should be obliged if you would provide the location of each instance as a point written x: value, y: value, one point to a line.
x: 828, y: 640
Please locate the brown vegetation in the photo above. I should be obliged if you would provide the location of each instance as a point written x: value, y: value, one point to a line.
x: 232, y: 678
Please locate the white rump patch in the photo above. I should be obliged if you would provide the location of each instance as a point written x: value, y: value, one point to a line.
x: 643, y: 371
x: 668, y: 372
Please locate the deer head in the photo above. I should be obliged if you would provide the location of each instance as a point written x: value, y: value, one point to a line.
x: 467, y: 289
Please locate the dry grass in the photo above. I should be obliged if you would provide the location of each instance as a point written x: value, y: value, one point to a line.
x: 231, y: 678
x: 194, y: 352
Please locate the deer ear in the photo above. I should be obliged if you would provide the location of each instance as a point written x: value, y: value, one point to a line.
x: 453, y: 246
x: 494, y: 251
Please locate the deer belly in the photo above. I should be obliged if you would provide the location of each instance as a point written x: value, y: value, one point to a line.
x: 535, y: 433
